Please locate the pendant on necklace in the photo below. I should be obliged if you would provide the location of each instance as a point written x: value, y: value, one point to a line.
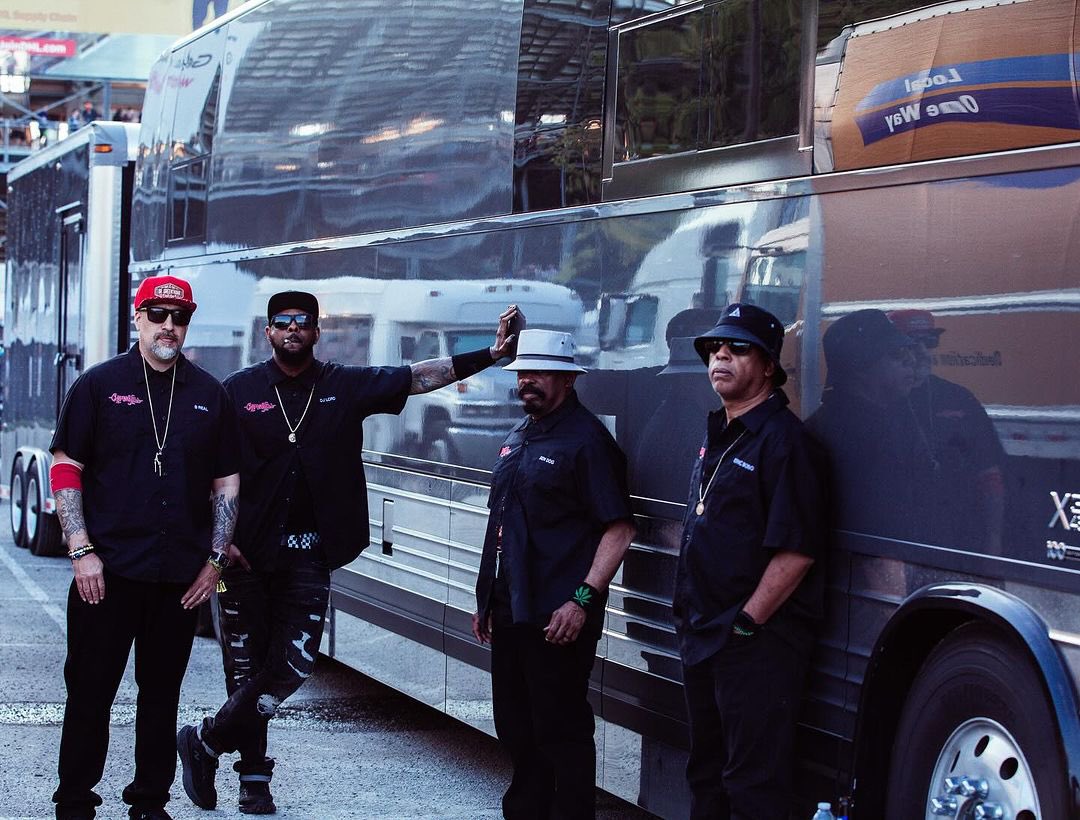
x: 292, y: 438
x: 701, y: 507
x: 157, y: 463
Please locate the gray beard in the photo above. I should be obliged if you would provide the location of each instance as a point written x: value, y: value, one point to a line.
x: 164, y: 352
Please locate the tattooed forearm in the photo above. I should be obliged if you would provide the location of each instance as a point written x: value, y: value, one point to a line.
x: 226, y: 504
x: 432, y: 374
x: 69, y: 509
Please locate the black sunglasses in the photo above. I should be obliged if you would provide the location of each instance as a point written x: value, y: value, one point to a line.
x: 304, y: 321
x: 181, y: 317
x: 737, y: 347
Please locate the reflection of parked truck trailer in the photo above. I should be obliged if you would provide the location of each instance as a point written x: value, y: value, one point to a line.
x: 392, y: 322
x: 68, y: 304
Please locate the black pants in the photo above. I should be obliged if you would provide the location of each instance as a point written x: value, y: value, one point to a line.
x: 543, y: 718
x: 99, y: 641
x: 271, y: 627
x: 743, y: 703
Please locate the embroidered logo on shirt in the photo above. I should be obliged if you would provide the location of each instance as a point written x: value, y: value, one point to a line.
x: 547, y: 460
x: 115, y: 398
x: 261, y: 407
x: 326, y: 399
x: 505, y: 451
x: 202, y: 408
x: 738, y: 462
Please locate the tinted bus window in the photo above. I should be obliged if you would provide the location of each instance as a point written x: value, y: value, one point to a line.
x: 720, y: 75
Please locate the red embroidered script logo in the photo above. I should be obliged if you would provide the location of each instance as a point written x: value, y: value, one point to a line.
x: 115, y: 398
x: 261, y: 407
x: 505, y: 451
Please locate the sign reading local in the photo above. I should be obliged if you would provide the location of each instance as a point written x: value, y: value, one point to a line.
x: 918, y: 89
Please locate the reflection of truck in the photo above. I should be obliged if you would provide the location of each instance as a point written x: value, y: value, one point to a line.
x: 67, y: 293
x: 381, y: 322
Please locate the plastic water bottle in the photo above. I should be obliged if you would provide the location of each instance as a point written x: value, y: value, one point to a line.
x: 824, y: 812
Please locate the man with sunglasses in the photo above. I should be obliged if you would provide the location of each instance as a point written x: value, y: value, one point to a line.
x: 968, y: 459
x: 748, y: 585
x: 146, y: 477
x: 303, y: 513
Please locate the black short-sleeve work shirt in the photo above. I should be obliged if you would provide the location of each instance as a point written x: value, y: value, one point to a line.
x: 145, y: 526
x: 558, y: 484
x: 769, y: 495
x: 326, y: 462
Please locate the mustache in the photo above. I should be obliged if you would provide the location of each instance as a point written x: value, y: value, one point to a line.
x: 529, y: 390
x: 166, y: 335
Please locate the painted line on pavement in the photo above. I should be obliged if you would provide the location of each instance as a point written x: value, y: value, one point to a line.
x: 34, y: 591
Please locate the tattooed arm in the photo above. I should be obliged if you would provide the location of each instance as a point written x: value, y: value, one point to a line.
x: 88, y: 570
x: 224, y: 498
x: 431, y: 374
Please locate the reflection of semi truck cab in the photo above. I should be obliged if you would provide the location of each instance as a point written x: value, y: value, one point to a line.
x: 379, y: 322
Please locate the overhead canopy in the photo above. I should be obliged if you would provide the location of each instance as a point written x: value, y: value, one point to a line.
x: 118, y: 57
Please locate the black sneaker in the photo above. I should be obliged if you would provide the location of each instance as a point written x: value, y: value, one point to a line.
x: 200, y: 767
x: 136, y: 813
x: 255, y: 797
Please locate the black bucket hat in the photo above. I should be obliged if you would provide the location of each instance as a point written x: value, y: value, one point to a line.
x: 748, y: 323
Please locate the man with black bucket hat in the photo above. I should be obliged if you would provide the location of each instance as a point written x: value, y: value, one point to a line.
x: 748, y: 586
x: 302, y: 514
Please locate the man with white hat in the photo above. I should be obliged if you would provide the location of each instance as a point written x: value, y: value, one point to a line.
x: 560, y: 522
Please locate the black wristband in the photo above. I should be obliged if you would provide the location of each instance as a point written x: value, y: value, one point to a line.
x: 586, y: 596
x: 744, y: 625
x: 466, y: 364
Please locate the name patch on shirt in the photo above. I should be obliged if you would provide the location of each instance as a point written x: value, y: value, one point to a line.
x: 261, y: 407
x: 116, y: 398
x: 547, y: 460
x: 505, y: 451
x: 202, y: 408
x: 326, y: 399
x: 738, y: 462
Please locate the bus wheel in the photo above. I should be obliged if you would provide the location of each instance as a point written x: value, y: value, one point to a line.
x: 976, y: 736
x: 42, y: 530
x: 18, y: 503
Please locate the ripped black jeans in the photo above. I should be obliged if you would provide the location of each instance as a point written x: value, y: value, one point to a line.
x: 271, y: 626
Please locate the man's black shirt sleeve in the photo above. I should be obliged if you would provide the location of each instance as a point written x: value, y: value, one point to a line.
x: 74, y: 433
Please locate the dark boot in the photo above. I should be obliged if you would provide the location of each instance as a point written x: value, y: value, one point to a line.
x: 200, y: 767
x: 255, y: 797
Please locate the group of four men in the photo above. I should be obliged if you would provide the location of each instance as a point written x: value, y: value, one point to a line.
x: 146, y: 438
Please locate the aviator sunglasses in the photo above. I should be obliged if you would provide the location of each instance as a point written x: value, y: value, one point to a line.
x: 181, y: 317
x: 737, y: 347
x: 304, y: 321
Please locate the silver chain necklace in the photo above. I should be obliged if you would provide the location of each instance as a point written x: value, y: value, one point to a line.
x: 704, y: 491
x: 160, y: 442
x: 281, y: 404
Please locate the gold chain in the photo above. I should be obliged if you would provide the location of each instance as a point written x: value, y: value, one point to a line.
x: 160, y: 442
x: 281, y: 404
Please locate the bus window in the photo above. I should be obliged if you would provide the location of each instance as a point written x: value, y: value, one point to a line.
x: 775, y: 283
x: 345, y: 339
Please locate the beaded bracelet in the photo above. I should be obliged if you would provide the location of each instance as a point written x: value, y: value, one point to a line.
x: 80, y: 552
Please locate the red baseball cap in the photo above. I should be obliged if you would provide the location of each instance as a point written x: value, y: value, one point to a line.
x: 155, y: 290
x: 913, y: 322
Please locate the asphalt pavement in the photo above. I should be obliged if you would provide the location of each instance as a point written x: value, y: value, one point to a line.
x: 347, y: 747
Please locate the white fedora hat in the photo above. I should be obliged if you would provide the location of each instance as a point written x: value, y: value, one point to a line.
x: 545, y: 350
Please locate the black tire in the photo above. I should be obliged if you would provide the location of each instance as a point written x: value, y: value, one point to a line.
x: 42, y: 528
x: 17, y: 511
x: 977, y: 709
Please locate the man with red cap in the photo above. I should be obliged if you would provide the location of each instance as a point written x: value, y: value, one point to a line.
x: 146, y: 480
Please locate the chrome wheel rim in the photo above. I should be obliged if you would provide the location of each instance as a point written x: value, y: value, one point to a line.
x: 981, y: 774
x: 16, y: 503
x: 32, y: 509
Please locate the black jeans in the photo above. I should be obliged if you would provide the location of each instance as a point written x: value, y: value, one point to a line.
x: 543, y: 718
x: 271, y: 627
x: 99, y: 641
x: 743, y: 703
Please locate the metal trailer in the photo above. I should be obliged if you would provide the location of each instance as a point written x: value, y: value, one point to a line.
x: 66, y: 301
x: 818, y: 157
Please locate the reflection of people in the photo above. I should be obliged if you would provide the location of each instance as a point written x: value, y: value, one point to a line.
x: 303, y: 512
x: 665, y: 452
x: 145, y: 479
x: 881, y: 463
x: 968, y: 457
x: 199, y: 8
x: 559, y: 525
x: 747, y: 591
